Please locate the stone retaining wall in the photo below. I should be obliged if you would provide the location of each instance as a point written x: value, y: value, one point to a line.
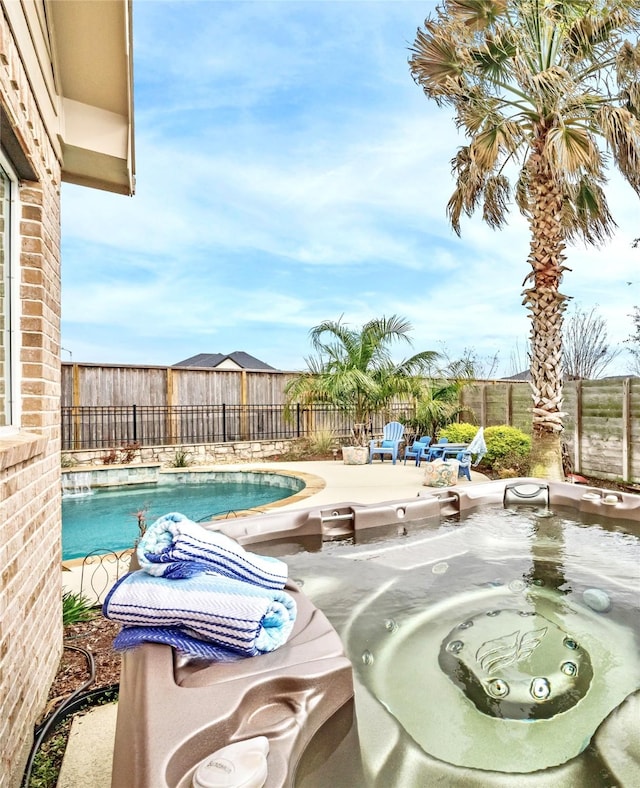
x: 199, y: 454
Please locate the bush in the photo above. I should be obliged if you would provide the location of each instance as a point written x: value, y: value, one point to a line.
x: 508, y: 448
x: 458, y: 433
x: 181, y: 459
x: 322, y: 442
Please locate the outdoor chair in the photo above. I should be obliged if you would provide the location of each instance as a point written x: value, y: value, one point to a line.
x: 417, y: 448
x: 391, y: 439
x: 436, y: 450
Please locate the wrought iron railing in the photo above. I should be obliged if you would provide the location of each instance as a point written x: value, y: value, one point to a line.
x: 114, y: 426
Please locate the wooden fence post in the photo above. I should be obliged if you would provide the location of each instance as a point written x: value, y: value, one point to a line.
x: 626, y: 429
x: 577, y: 429
x: 244, y: 421
x: 170, y: 422
x: 75, y: 399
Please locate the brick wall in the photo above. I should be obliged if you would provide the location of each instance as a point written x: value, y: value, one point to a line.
x: 30, y: 554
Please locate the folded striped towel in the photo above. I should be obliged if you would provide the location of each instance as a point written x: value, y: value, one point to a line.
x: 182, y: 640
x: 224, y: 613
x: 174, y: 546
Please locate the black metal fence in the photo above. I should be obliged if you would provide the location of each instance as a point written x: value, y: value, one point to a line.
x: 112, y: 426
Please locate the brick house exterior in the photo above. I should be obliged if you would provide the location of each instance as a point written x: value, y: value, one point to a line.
x: 50, y: 119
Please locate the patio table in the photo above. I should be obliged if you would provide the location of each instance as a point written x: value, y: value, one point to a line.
x: 440, y: 451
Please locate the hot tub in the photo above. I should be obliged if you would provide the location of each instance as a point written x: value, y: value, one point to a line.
x: 474, y: 655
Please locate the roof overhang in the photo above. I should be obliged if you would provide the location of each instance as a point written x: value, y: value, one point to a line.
x: 92, y: 57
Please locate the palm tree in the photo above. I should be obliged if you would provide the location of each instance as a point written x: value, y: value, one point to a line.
x: 438, y: 404
x: 354, y: 370
x: 547, y: 93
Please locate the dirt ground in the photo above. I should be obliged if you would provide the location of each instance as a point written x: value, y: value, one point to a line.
x: 96, y: 636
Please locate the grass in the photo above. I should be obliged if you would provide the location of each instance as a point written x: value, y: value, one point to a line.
x: 48, y: 759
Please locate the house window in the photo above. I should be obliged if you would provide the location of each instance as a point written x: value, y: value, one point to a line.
x: 7, y: 223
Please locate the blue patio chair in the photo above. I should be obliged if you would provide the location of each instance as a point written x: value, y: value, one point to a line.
x: 436, y: 450
x: 464, y: 467
x: 417, y: 448
x: 391, y: 438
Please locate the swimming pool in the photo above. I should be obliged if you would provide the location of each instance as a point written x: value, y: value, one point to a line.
x: 107, y: 518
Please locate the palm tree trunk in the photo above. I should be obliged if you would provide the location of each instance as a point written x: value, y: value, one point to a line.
x: 546, y: 305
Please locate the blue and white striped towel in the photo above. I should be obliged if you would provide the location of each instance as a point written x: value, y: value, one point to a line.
x: 228, y: 614
x: 182, y: 640
x: 176, y: 547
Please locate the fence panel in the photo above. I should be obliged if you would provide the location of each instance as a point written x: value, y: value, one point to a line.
x: 602, y: 425
x: 202, y: 387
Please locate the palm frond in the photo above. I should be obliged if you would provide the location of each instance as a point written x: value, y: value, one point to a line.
x: 621, y: 129
x: 630, y: 99
x: 570, y: 149
x: 548, y: 87
x: 437, y: 63
x: 591, y: 30
x: 469, y: 186
x: 585, y: 212
x: 521, y: 194
x: 476, y: 14
x: 495, y: 208
x: 628, y: 62
x: 492, y: 58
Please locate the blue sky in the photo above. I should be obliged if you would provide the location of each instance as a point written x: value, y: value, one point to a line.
x: 289, y: 171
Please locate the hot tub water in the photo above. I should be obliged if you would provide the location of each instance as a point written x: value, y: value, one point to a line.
x: 499, y: 644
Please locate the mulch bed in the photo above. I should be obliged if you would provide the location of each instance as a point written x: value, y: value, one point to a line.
x: 96, y: 636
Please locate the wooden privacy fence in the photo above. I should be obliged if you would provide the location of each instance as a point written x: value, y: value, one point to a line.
x: 602, y: 426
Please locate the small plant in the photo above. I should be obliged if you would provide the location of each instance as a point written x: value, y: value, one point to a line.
x: 141, y: 518
x: 67, y: 461
x: 110, y: 458
x: 122, y: 456
x: 75, y: 608
x: 128, y: 452
x: 181, y: 459
x: 322, y: 442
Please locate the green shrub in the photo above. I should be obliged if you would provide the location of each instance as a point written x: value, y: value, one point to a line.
x: 508, y: 450
x: 458, y: 433
x: 76, y: 607
x: 322, y: 442
x: 181, y: 459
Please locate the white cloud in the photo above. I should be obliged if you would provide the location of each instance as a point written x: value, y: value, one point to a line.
x: 289, y: 171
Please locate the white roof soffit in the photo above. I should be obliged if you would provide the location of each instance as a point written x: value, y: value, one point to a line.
x: 92, y: 48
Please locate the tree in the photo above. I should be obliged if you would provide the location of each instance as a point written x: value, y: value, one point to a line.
x: 547, y: 93
x: 438, y: 403
x: 634, y: 340
x: 585, y: 351
x: 354, y: 370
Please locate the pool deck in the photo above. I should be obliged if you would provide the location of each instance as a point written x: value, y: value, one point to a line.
x: 87, y: 759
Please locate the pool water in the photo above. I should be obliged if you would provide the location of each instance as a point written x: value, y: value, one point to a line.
x: 107, y: 519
